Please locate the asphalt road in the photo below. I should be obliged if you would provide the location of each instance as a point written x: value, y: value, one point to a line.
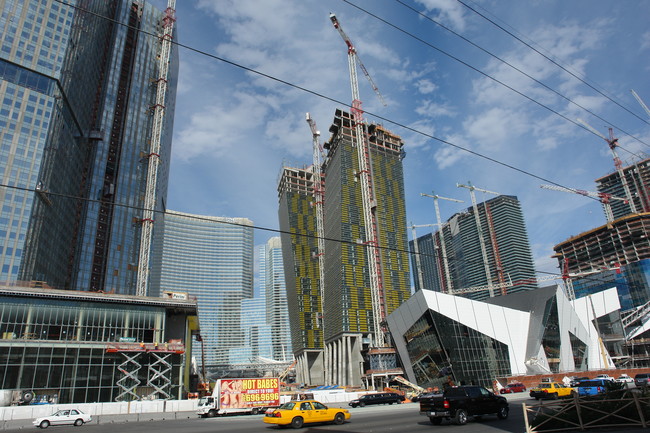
x: 381, y: 418
x: 376, y: 419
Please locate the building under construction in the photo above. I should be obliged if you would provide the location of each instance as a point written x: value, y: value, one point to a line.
x: 504, y: 235
x: 301, y: 273
x: 637, y: 181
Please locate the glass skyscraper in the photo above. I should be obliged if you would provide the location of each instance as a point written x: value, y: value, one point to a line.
x: 210, y: 258
x: 75, y: 82
x: 507, y: 249
x: 277, y: 311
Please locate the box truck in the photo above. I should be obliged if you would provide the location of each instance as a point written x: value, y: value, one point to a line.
x: 240, y: 396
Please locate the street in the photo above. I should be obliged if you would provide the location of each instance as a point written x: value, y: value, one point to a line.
x: 381, y: 418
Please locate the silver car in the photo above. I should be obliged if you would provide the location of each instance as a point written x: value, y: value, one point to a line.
x: 63, y: 417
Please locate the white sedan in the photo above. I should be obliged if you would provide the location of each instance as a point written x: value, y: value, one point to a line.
x: 624, y: 378
x: 67, y: 416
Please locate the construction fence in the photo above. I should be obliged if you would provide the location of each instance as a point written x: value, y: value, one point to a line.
x: 616, y: 409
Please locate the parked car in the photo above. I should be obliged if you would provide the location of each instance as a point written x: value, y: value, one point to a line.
x: 575, y: 380
x: 605, y: 377
x: 624, y: 378
x: 593, y: 387
x: 551, y: 390
x: 378, y: 398
x: 642, y: 379
x: 63, y: 417
x: 513, y: 387
x: 460, y: 402
x: 297, y: 413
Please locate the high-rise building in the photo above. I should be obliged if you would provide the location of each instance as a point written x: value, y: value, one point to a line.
x: 637, y: 181
x: 506, y: 244
x: 347, y: 317
x: 75, y: 122
x: 277, y: 312
x: 210, y: 258
x: 297, y: 216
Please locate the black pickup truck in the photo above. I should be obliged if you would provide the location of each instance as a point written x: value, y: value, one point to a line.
x: 460, y: 402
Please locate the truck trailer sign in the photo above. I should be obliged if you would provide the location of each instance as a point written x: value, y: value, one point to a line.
x: 242, y: 393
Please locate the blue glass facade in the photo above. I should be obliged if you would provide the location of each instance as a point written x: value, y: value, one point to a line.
x: 62, y: 83
x: 44, y: 121
x: 632, y: 282
x: 210, y: 258
x: 277, y: 310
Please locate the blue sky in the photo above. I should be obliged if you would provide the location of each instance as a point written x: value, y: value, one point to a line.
x: 234, y: 129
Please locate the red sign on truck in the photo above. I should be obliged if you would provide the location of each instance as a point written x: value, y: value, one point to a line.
x: 241, y: 393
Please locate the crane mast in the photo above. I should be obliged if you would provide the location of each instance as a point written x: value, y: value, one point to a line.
x: 154, y: 150
x: 319, y: 200
x: 613, y: 144
x: 486, y: 264
x: 640, y: 101
x: 367, y: 190
x: 445, y: 262
x: 416, y: 251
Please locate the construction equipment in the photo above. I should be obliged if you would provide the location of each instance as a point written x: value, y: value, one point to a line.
x: 367, y: 188
x: 613, y: 144
x: 447, y: 286
x: 411, y: 385
x: 154, y: 150
x: 640, y: 101
x: 416, y: 251
x: 486, y: 264
x: 319, y: 200
x: 603, y: 197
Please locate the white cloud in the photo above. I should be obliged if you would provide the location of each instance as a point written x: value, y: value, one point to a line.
x: 432, y: 109
x: 449, y: 12
x: 425, y: 86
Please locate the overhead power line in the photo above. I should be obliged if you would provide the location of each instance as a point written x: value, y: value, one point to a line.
x: 519, y: 70
x: 554, y: 62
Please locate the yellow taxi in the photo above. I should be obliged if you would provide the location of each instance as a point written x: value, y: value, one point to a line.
x: 297, y: 413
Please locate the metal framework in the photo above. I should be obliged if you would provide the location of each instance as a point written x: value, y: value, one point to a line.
x: 443, y: 246
x: 416, y: 251
x: 613, y: 144
x: 486, y: 264
x: 603, y: 197
x: 319, y: 201
x: 154, y: 150
x: 129, y: 380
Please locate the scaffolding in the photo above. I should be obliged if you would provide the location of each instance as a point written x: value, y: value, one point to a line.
x: 156, y: 357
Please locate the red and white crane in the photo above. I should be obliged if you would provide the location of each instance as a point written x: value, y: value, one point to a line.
x: 613, y: 144
x: 367, y: 188
x: 154, y: 150
x: 319, y: 201
x: 448, y: 286
x: 603, y: 197
x: 486, y: 264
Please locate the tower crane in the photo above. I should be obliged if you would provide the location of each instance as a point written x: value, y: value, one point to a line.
x: 367, y: 188
x: 486, y: 264
x: 319, y: 200
x: 416, y: 251
x: 640, y: 101
x: 603, y: 197
x: 154, y: 149
x: 613, y: 144
x: 445, y: 262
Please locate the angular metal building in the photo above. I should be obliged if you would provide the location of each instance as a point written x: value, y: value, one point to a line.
x: 442, y: 337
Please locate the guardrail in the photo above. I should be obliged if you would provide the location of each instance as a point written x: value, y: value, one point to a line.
x: 622, y: 408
